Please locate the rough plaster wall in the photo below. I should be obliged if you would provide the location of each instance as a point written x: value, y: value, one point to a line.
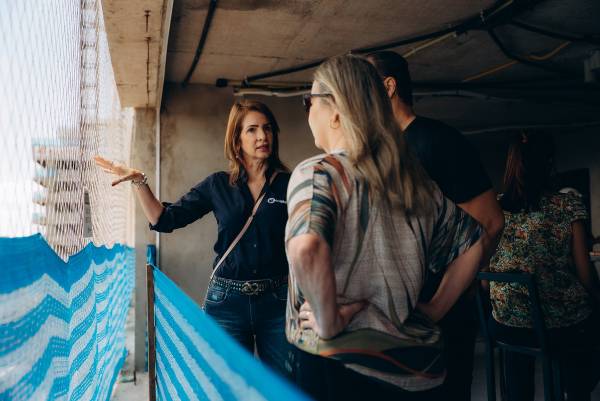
x: 193, y: 124
x: 192, y: 130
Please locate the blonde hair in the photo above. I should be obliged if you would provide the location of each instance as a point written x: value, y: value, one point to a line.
x: 376, y: 146
x: 233, y: 146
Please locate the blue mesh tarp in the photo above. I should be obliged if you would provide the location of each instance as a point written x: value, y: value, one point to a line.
x: 197, y: 360
x: 62, y: 324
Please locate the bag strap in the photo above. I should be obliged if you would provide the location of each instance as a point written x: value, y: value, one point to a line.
x: 244, y: 229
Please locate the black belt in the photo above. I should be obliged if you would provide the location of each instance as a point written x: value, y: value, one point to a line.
x: 249, y: 287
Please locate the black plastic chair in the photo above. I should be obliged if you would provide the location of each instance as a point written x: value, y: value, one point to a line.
x: 550, y: 362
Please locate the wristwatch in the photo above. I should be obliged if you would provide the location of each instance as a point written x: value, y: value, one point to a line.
x: 143, y: 181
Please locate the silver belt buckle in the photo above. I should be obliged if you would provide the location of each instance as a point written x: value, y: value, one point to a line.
x: 250, y: 288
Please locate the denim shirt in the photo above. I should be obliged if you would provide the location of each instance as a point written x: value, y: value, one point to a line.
x: 260, y: 253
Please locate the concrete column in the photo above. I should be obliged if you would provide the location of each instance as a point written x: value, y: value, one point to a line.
x: 143, y: 153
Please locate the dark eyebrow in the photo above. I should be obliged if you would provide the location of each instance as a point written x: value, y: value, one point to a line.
x: 257, y: 125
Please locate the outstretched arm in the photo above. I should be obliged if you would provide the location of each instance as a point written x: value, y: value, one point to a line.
x: 150, y: 205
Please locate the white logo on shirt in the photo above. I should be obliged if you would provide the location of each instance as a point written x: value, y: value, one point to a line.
x: 273, y: 200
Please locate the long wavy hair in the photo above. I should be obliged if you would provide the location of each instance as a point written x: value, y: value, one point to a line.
x: 233, y: 146
x: 529, y: 172
x: 376, y: 146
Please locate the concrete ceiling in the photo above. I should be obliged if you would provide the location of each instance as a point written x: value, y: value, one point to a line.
x: 137, y: 32
x: 247, y: 37
x: 250, y: 37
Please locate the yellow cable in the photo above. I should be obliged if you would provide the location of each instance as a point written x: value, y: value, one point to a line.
x: 490, y: 71
x: 504, y: 66
x: 427, y: 44
x: 550, y: 54
x: 502, y: 7
x: 432, y: 42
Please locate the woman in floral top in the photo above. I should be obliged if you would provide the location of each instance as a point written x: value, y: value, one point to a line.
x: 544, y: 235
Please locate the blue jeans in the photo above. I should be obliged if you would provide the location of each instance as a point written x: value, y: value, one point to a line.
x: 257, y: 322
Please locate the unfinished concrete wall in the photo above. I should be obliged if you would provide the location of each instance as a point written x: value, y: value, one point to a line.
x: 574, y: 150
x: 193, y: 124
x: 143, y: 158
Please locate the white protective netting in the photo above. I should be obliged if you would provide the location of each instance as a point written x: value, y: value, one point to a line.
x: 59, y: 107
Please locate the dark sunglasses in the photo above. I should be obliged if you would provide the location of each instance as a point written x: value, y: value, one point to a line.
x: 307, y: 99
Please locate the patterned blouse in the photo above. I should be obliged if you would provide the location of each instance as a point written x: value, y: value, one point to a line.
x: 540, y: 243
x: 381, y: 256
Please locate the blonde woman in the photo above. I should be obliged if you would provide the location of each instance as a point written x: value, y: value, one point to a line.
x: 247, y: 292
x: 366, y: 228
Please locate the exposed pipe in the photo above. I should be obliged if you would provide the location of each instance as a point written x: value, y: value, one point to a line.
x: 556, y: 35
x: 530, y: 126
x: 542, y: 86
x: 466, y: 94
x: 269, y: 92
x: 312, y: 64
x: 520, y: 59
x: 207, y: 21
x: 282, y: 71
x: 300, y: 91
x: 473, y: 22
x: 550, y: 54
x: 426, y: 45
x: 508, y: 97
x: 270, y: 84
x: 504, y: 66
x: 490, y: 71
x: 456, y: 29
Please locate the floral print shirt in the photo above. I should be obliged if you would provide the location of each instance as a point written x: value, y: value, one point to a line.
x: 540, y: 243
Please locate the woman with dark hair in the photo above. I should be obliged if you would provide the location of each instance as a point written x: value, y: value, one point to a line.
x: 248, y: 289
x: 544, y: 235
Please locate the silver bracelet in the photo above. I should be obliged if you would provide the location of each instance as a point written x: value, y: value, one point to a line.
x: 144, y: 181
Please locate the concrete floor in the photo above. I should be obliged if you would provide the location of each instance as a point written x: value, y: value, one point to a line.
x: 131, y: 391
x: 130, y: 387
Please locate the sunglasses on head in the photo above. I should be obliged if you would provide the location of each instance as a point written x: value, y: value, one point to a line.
x: 307, y: 99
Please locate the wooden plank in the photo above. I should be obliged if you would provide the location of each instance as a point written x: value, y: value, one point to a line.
x: 151, y: 334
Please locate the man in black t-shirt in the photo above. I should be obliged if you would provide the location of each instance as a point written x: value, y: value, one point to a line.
x: 454, y: 164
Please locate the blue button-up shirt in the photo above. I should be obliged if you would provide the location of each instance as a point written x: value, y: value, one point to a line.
x: 261, y: 251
